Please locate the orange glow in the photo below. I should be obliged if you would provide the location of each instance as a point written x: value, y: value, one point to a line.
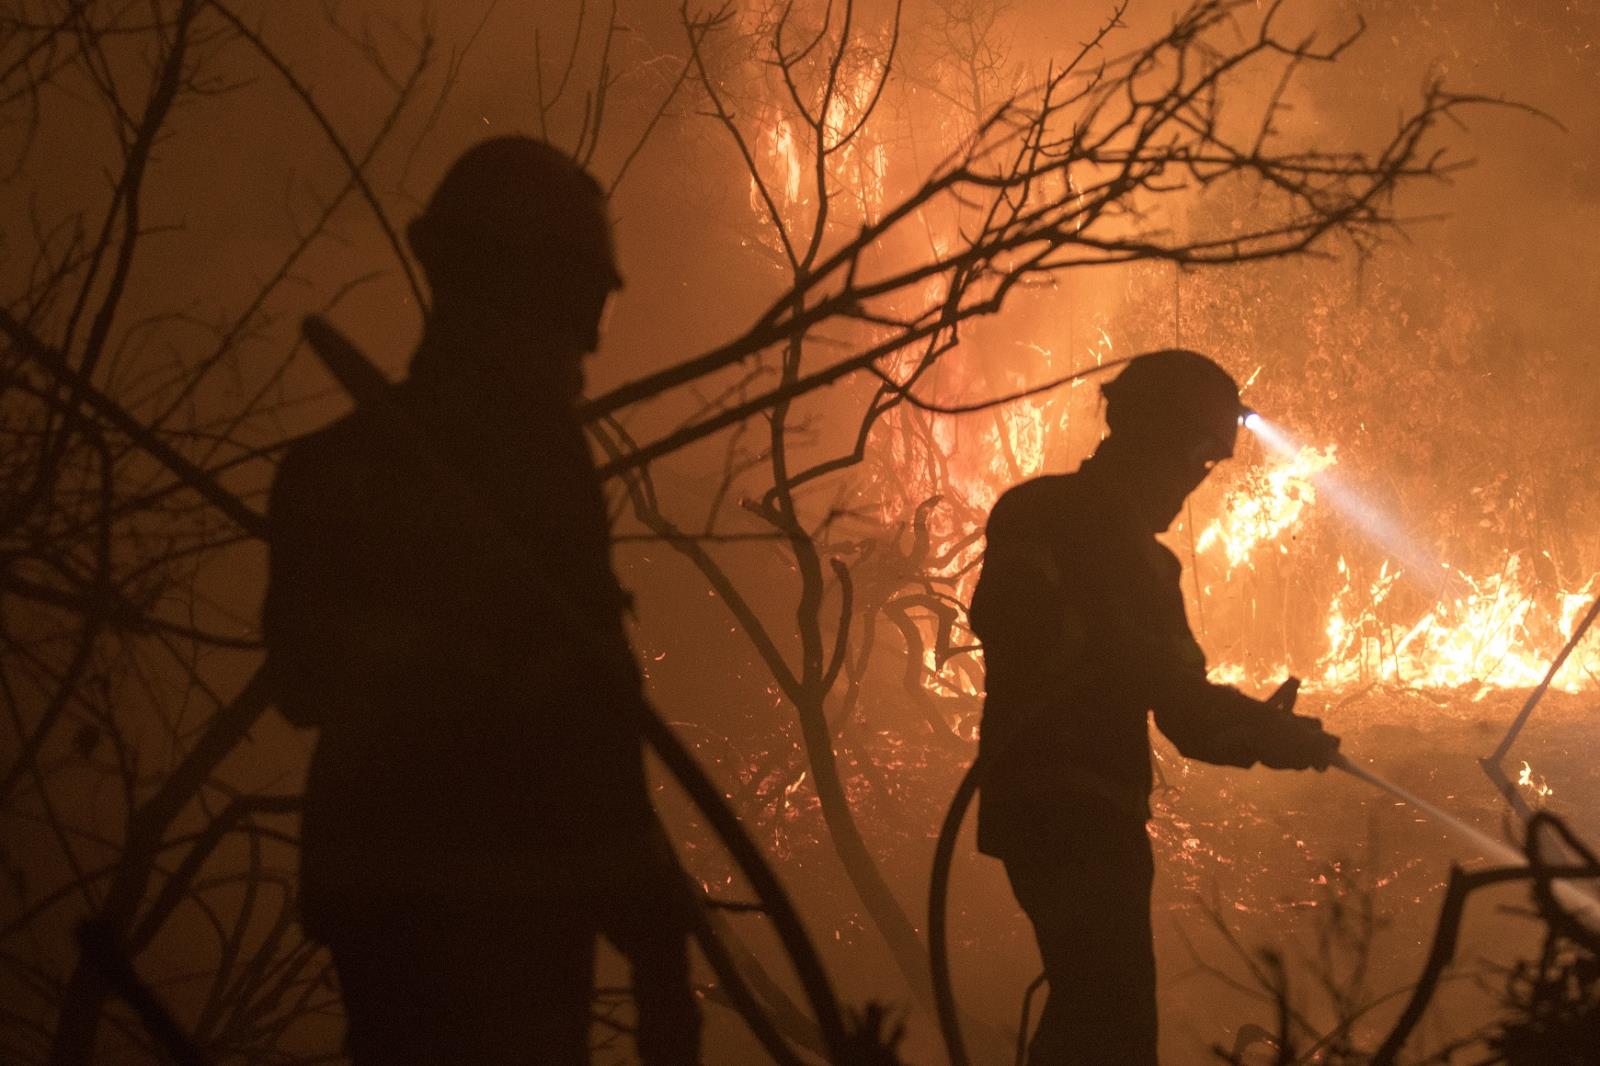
x: 1486, y: 629
x: 1270, y: 501
x: 1484, y: 638
x: 856, y: 163
x: 1539, y: 789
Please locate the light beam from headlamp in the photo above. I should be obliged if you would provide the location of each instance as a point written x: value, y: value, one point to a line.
x: 1417, y: 562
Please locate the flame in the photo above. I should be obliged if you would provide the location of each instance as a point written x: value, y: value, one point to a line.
x: 1271, y: 501
x: 859, y: 163
x: 1482, y: 622
x: 1483, y: 631
x: 1239, y: 675
x: 966, y: 462
x: 1489, y: 630
x: 1540, y: 789
x: 1488, y: 636
x: 856, y: 165
x: 783, y: 153
x: 1478, y: 629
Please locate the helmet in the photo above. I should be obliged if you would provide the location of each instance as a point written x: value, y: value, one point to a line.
x: 1178, y: 398
x: 515, y: 211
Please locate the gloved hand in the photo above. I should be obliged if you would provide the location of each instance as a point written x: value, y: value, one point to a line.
x: 1283, y: 699
x: 1289, y: 741
x: 1296, y: 742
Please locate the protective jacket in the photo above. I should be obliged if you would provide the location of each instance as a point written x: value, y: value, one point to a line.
x: 476, y: 733
x: 1084, y: 633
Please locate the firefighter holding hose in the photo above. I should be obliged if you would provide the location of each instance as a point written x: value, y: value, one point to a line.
x: 1081, y: 616
x: 476, y: 812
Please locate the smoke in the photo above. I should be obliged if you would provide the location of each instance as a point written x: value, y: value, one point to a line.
x: 1455, y: 365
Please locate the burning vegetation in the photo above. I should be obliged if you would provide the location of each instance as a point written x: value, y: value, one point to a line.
x: 879, y: 255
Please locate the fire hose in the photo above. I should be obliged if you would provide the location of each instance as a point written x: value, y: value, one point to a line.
x: 371, y: 392
x: 944, y: 1001
x: 944, y: 851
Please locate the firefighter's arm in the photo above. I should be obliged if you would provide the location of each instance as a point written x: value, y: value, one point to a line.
x: 1294, y: 741
x: 1218, y: 723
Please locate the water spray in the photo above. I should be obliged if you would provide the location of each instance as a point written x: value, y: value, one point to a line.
x: 1383, y: 529
x: 1575, y: 898
x: 1499, y: 850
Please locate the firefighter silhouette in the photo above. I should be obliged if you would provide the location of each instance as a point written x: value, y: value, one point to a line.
x: 476, y: 811
x: 1082, y: 621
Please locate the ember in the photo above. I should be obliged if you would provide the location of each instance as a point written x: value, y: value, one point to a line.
x: 1538, y: 789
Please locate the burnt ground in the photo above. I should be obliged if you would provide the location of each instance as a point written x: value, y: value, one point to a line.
x: 1246, y: 860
